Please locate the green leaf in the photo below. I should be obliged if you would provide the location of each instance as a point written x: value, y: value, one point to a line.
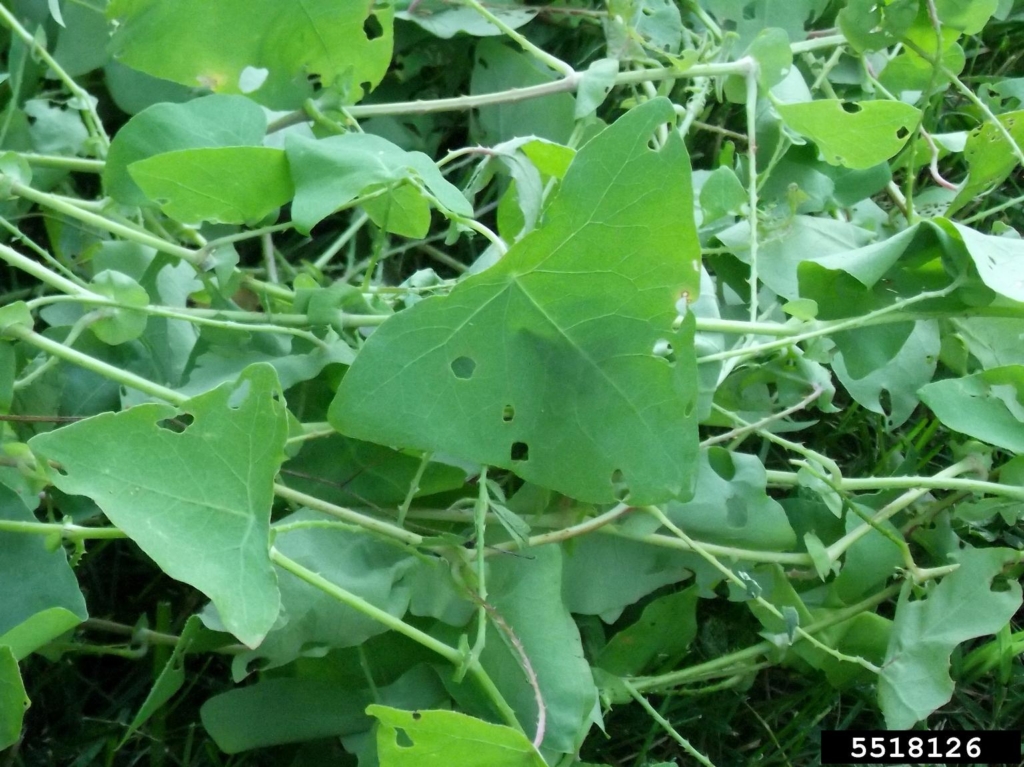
x: 720, y: 194
x: 402, y: 211
x: 661, y: 635
x: 527, y: 594
x: 122, y: 325
x: 16, y: 314
x: 292, y: 710
x: 13, y: 699
x: 988, y: 405
x: 770, y: 49
x: 505, y: 351
x: 730, y: 506
x: 170, y: 679
x: 39, y: 595
x: 853, y: 135
x: 81, y: 46
x: 910, y: 368
x: 595, y: 85
x: 445, y: 21
x: 227, y: 185
x: 211, y: 121
x: 442, y: 738
x: 332, y: 172
x: 968, y: 16
x: 257, y: 47
x: 497, y: 68
x: 915, y: 675
x: 990, y: 158
x: 870, y: 25
x: 197, y: 502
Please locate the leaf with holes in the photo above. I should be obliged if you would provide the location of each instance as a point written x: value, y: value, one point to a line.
x: 442, y: 738
x: 566, y: 362
x: 856, y: 136
x: 966, y: 604
x: 274, y: 52
x: 191, y: 486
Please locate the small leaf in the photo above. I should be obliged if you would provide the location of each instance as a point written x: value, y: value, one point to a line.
x: 15, y: 314
x: 720, y: 194
x: 870, y: 134
x: 13, y: 699
x: 985, y: 405
x: 660, y: 636
x: 595, y: 85
x: 124, y: 324
x: 194, y: 495
x: 227, y: 185
x: 446, y: 21
x: 442, y: 738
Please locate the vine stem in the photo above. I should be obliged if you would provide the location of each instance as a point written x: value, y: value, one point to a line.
x: 665, y: 724
x: 789, y: 479
x: 751, y: 74
x: 695, y: 673
x: 47, y: 276
x: 538, y: 53
x: 86, y: 105
x: 730, y: 576
x: 66, y: 532
x: 80, y: 164
x: 449, y: 653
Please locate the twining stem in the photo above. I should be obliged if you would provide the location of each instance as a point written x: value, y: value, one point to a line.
x: 538, y: 53
x: 354, y: 517
x: 483, y: 502
x: 451, y: 654
x: 665, y: 724
x: 744, y: 656
x: 729, y: 575
x: 126, y: 232
x: 741, y: 431
x: 751, y: 74
x: 86, y: 106
x: 66, y: 532
x: 789, y: 479
x: 44, y: 274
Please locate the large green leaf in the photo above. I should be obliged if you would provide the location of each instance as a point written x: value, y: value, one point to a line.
x: 269, y: 50
x: 334, y: 171
x: 661, y: 635
x: 39, y: 595
x: 548, y: 363
x: 988, y: 405
x: 211, y: 121
x: 856, y: 136
x: 527, y: 594
x: 197, y: 502
x: 226, y: 185
x: 915, y: 675
x: 13, y: 699
x: 442, y: 738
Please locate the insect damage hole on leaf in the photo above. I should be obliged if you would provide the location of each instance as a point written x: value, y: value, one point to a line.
x: 463, y: 367
x: 663, y: 348
x: 619, y: 487
x: 520, y: 451
x: 508, y: 413
x: 402, y: 739
x: 372, y: 28
x: 178, y: 424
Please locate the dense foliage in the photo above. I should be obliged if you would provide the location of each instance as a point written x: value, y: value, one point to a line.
x: 456, y: 380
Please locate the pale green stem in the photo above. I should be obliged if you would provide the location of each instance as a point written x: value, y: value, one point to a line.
x: 249, y: 234
x: 99, y: 367
x: 76, y: 330
x: 753, y: 69
x: 45, y: 275
x: 540, y: 54
x: 729, y: 575
x: 796, y: 559
x: 697, y: 672
x: 414, y: 487
x: 789, y: 479
x: 313, y: 431
x: 126, y: 232
x: 397, y: 625
x: 29, y: 243
x: 483, y: 502
x: 838, y: 548
x: 697, y: 10
x: 740, y: 431
x: 347, y: 515
x: 67, y: 532
x: 88, y: 109
x: 80, y: 164
x: 479, y: 228
x: 594, y: 523
x: 665, y: 724
x: 832, y: 327
x: 796, y: 447
x: 981, y: 215
x: 357, y: 223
